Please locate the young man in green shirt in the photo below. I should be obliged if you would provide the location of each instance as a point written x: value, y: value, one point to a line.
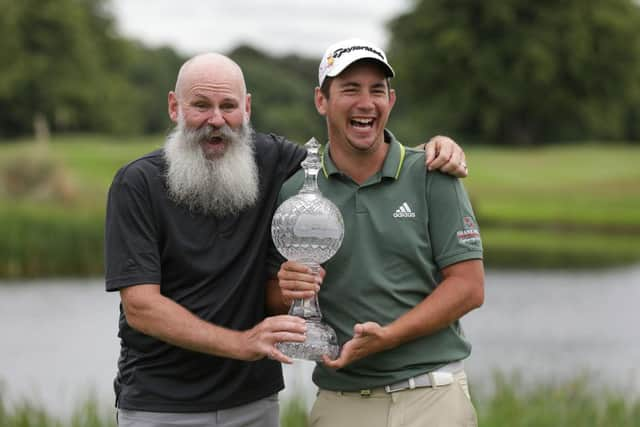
x: 410, y: 265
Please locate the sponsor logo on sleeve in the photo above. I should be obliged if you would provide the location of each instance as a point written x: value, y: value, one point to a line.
x: 469, y: 233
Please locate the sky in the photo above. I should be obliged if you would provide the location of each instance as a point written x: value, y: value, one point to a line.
x: 303, y: 27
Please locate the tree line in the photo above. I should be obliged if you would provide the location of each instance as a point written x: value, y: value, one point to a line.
x: 496, y: 71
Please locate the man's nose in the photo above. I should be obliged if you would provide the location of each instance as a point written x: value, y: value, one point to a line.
x: 216, y: 119
x: 365, y: 102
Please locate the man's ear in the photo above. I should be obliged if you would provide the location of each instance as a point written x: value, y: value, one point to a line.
x: 247, y: 106
x: 173, y: 106
x: 392, y: 98
x: 320, y: 101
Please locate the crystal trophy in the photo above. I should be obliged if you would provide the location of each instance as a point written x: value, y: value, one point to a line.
x: 308, y: 228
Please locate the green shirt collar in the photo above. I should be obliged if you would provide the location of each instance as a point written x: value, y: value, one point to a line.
x: 392, y: 163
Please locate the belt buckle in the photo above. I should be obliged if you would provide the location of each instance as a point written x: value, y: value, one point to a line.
x: 408, y: 384
x: 365, y: 392
x: 392, y: 388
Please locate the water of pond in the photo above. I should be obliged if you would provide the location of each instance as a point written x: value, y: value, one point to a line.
x: 59, y: 336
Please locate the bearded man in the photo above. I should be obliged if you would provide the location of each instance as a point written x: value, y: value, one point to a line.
x: 186, y: 238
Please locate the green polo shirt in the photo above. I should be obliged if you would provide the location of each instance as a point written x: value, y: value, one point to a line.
x: 402, y: 226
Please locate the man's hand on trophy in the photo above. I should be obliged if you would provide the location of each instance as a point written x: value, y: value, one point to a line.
x: 261, y: 340
x: 297, y: 281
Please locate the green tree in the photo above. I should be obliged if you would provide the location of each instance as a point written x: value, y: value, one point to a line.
x: 11, y: 69
x: 516, y: 71
x: 63, y: 61
x: 281, y: 93
x: 152, y: 72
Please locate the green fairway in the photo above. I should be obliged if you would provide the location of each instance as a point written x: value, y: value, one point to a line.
x: 566, y: 206
x: 574, y: 186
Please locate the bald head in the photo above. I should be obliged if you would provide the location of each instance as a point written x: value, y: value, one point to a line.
x: 210, y: 90
x: 210, y: 67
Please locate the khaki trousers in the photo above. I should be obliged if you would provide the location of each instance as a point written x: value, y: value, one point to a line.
x: 442, y: 406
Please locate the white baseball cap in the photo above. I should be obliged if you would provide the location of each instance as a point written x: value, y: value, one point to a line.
x: 344, y: 53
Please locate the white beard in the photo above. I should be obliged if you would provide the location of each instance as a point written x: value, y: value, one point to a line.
x: 220, y: 186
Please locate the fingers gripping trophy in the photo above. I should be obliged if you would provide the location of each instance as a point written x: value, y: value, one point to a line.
x: 308, y: 228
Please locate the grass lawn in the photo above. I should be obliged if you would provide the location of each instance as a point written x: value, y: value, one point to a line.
x: 581, y: 186
x: 576, y: 403
x: 550, y: 207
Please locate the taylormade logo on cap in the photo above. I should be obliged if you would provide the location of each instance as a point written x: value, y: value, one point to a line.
x: 344, y: 53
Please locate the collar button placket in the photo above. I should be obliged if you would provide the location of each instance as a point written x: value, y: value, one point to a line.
x: 360, y: 205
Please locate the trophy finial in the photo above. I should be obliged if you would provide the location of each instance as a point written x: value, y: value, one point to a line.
x: 312, y: 144
x: 312, y: 161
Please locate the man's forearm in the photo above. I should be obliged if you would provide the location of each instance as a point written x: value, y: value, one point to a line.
x: 153, y: 314
x: 455, y: 296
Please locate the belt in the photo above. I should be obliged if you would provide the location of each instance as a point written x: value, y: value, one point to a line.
x: 439, y: 377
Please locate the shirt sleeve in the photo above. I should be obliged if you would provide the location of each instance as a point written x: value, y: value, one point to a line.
x: 131, y: 244
x: 453, y: 227
x: 291, y: 154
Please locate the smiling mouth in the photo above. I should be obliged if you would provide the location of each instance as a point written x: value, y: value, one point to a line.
x: 215, y: 140
x: 362, y: 123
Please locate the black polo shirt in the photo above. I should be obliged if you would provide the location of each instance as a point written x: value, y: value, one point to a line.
x: 214, y: 267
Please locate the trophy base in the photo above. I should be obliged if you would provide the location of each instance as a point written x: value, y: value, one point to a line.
x: 321, y: 340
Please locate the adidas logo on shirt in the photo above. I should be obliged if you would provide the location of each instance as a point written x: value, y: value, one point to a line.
x: 404, y: 211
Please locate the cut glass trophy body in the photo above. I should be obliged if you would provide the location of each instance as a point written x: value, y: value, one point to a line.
x: 308, y: 228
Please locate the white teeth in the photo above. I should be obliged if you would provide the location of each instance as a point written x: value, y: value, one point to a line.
x: 362, y: 122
